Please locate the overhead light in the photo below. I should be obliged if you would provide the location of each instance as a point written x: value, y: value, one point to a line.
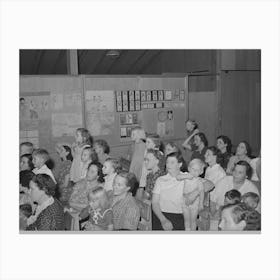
x: 113, y: 53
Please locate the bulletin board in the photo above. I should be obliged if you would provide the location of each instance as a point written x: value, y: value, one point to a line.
x: 115, y: 105
x: 51, y: 111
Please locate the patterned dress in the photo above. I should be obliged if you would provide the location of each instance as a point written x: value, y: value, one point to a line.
x: 65, y: 191
x: 51, y: 218
x: 151, y: 180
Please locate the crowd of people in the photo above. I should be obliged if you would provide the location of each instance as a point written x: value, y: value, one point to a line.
x: 158, y: 186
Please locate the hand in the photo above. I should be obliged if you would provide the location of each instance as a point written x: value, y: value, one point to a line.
x: 196, y: 131
x: 166, y: 224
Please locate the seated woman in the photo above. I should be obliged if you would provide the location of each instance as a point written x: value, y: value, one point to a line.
x: 126, y: 213
x: 214, y: 172
x: 243, y: 152
x: 238, y: 217
x: 49, y: 214
x: 201, y: 143
x: 167, y: 200
x: 224, y: 145
x: 102, y: 150
x: 94, y: 179
x: 26, y: 162
x: 239, y: 180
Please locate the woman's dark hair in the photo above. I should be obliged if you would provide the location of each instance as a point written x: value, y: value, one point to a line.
x: 45, y: 183
x: 216, y: 152
x: 202, y: 138
x: 173, y: 145
x: 180, y: 159
x: 247, y: 166
x: 159, y: 156
x: 105, y: 146
x: 68, y: 149
x: 227, y: 141
x: 248, y: 148
x: 100, y: 174
x: 29, y: 158
x: 25, y: 177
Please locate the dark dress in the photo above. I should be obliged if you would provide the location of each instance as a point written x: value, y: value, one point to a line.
x: 51, y: 218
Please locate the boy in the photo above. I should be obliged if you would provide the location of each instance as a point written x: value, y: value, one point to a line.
x: 40, y: 156
x: 26, y: 148
x: 251, y: 200
x: 232, y: 197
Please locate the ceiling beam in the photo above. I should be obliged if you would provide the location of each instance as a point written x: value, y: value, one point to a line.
x: 72, y: 62
x: 38, y: 61
x: 150, y: 61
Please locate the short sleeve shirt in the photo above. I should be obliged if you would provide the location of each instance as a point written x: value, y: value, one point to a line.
x: 170, y: 192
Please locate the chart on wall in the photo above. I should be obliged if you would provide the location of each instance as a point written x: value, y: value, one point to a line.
x: 100, y: 112
x: 66, y: 113
x: 35, y: 118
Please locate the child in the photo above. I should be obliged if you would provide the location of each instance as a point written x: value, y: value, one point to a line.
x: 25, y: 211
x: 193, y: 194
x: 110, y: 168
x: 238, y: 217
x: 138, y: 135
x: 40, y: 156
x: 26, y: 148
x: 102, y: 150
x: 88, y: 155
x: 251, y: 200
x: 232, y: 197
x: 100, y: 211
x: 83, y: 140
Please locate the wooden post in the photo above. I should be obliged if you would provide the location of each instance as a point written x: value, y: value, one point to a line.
x: 72, y: 62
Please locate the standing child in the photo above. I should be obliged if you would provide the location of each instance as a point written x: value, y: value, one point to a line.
x: 110, y: 168
x: 100, y: 211
x: 193, y: 194
x: 138, y: 135
x: 83, y: 140
x: 40, y: 156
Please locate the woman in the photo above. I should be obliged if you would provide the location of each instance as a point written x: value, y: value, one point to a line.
x: 201, y: 143
x: 102, y: 150
x: 214, y: 172
x: 94, y: 179
x: 168, y: 197
x: 49, y: 214
x: 26, y: 162
x: 192, y: 129
x: 243, y: 152
x: 126, y: 213
x: 155, y: 164
x: 239, y: 181
x: 224, y: 145
x: 63, y: 173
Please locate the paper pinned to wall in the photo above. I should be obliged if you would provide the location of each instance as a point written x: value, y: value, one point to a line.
x: 65, y: 124
x: 57, y: 101
x: 73, y: 99
x: 100, y: 115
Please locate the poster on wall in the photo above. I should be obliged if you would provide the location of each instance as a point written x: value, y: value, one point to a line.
x: 100, y: 117
x: 165, y: 124
x: 35, y: 118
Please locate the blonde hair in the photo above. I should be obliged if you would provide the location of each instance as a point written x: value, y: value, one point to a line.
x: 140, y: 132
x: 197, y: 161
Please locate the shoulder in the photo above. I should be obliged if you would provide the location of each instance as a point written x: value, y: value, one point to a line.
x: 225, y: 180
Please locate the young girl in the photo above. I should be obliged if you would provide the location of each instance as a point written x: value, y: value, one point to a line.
x: 88, y: 156
x: 138, y: 136
x: 83, y: 139
x: 110, y: 168
x: 193, y: 194
x: 102, y: 150
x: 152, y: 142
x: 99, y: 210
